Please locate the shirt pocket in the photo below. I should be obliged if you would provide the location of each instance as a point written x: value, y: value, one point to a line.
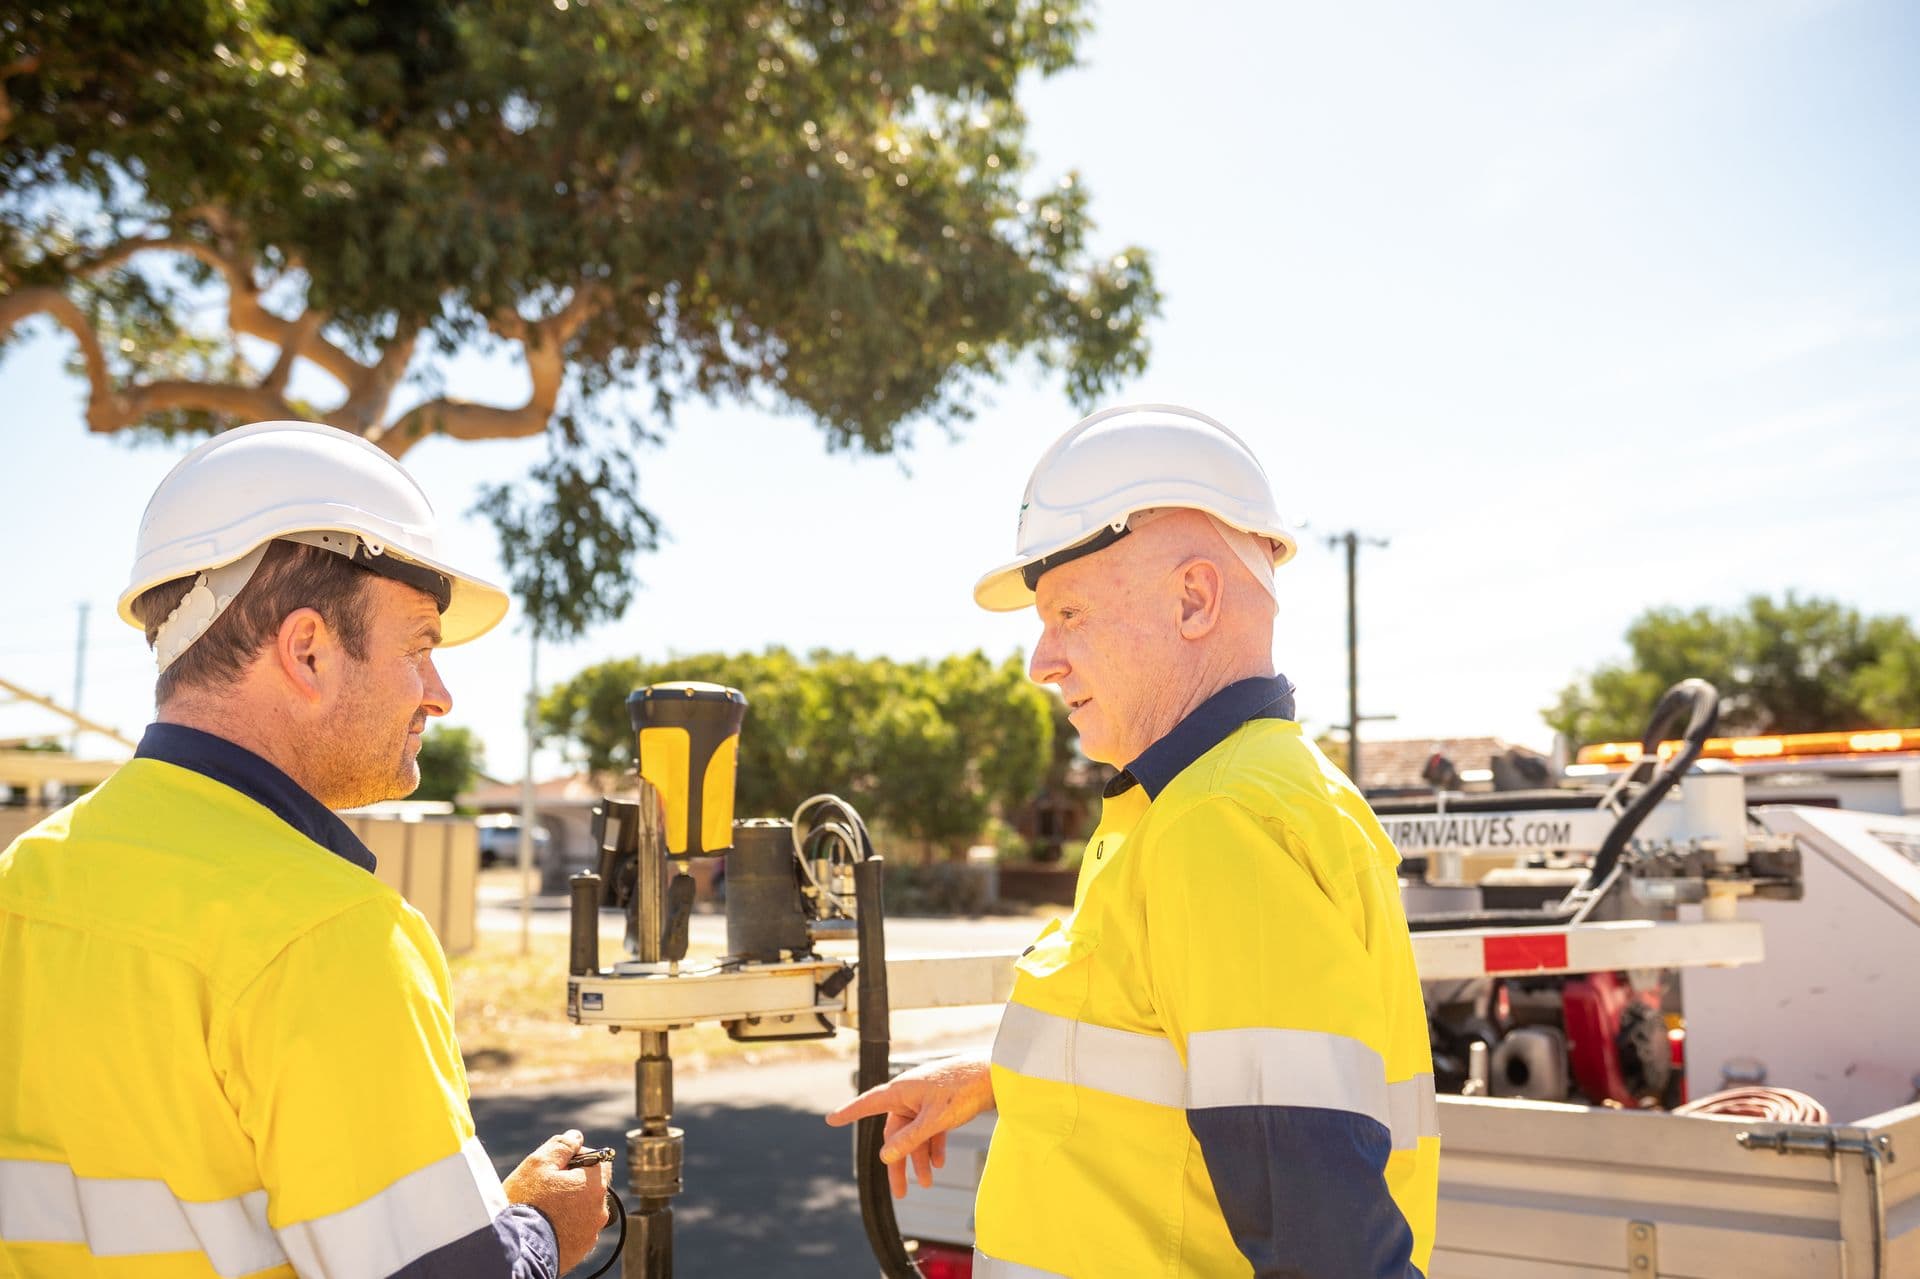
x: 1053, y: 974
x: 1037, y: 1034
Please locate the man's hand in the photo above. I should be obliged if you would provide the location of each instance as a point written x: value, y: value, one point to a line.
x: 573, y: 1199
x: 920, y: 1107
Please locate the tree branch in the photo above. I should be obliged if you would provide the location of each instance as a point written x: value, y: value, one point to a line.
x: 369, y: 394
x: 251, y: 403
x: 369, y: 388
x: 112, y: 408
x: 302, y: 332
x: 544, y: 343
x: 47, y: 300
x: 245, y: 314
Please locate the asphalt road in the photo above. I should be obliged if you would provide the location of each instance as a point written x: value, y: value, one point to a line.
x: 769, y: 1187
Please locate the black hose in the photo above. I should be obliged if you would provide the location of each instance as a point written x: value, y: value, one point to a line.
x: 1700, y: 701
x: 876, y: 1197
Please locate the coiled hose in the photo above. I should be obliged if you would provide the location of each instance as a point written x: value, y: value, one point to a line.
x: 1773, y: 1105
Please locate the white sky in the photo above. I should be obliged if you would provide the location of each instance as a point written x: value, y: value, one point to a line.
x: 1587, y: 307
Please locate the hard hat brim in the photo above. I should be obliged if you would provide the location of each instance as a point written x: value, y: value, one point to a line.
x: 476, y: 607
x: 1003, y: 590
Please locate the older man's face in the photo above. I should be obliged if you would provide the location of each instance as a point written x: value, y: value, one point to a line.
x: 1107, y: 640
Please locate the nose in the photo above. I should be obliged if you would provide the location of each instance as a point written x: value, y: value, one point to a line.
x: 435, y: 698
x: 1048, y: 665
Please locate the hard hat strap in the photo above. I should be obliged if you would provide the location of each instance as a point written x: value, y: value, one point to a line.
x: 202, y: 605
x: 1031, y: 573
x: 373, y: 558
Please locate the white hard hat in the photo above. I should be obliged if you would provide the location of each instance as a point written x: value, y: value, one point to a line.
x: 224, y: 502
x: 1121, y: 461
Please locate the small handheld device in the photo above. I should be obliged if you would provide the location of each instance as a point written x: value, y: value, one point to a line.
x: 588, y: 1156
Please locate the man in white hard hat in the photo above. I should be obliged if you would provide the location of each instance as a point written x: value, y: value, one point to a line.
x: 1218, y: 1063
x: 227, y: 1049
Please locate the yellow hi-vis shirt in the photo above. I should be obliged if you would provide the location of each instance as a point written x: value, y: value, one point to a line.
x: 225, y: 1049
x: 1218, y: 1065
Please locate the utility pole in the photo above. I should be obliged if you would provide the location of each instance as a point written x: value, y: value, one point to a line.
x: 526, y: 794
x: 79, y: 677
x: 1351, y: 540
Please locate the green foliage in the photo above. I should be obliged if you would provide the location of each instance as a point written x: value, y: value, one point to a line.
x: 820, y: 208
x: 1795, y: 665
x: 929, y: 749
x: 568, y: 539
x: 449, y: 762
x: 935, y: 888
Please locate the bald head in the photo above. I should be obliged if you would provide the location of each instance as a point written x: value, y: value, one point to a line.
x: 1138, y: 634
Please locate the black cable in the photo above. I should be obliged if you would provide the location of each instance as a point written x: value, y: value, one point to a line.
x: 620, y: 1211
x: 843, y: 825
x: 876, y: 1195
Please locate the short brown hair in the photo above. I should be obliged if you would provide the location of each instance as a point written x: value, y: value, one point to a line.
x: 291, y: 576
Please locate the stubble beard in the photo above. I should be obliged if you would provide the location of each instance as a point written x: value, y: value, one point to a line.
x: 355, y: 765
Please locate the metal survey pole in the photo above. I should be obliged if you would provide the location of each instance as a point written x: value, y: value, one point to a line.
x: 526, y: 794
x: 654, y: 1149
x: 79, y: 678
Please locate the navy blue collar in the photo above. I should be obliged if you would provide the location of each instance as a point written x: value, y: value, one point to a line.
x: 242, y: 770
x: 1209, y: 724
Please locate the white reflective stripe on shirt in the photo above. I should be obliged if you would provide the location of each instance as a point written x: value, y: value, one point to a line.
x: 424, y: 1210
x: 44, y: 1202
x: 1253, y: 1066
x: 985, y: 1267
x: 1413, y: 1110
x: 1123, y: 1062
x: 1272, y: 1066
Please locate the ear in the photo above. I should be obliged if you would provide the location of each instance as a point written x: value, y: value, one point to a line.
x: 306, y: 652
x: 1202, y: 587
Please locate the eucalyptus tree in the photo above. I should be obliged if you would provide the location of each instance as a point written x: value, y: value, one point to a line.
x: 818, y: 208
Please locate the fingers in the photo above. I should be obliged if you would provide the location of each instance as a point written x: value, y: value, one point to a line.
x: 896, y: 1170
x: 937, y: 1149
x: 874, y: 1101
x: 911, y: 1140
x: 922, y: 1156
x: 560, y: 1147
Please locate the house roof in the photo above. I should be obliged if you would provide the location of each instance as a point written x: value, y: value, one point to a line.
x: 1396, y: 764
x: 574, y: 788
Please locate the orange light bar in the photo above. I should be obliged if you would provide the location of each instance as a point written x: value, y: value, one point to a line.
x: 1874, y: 741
